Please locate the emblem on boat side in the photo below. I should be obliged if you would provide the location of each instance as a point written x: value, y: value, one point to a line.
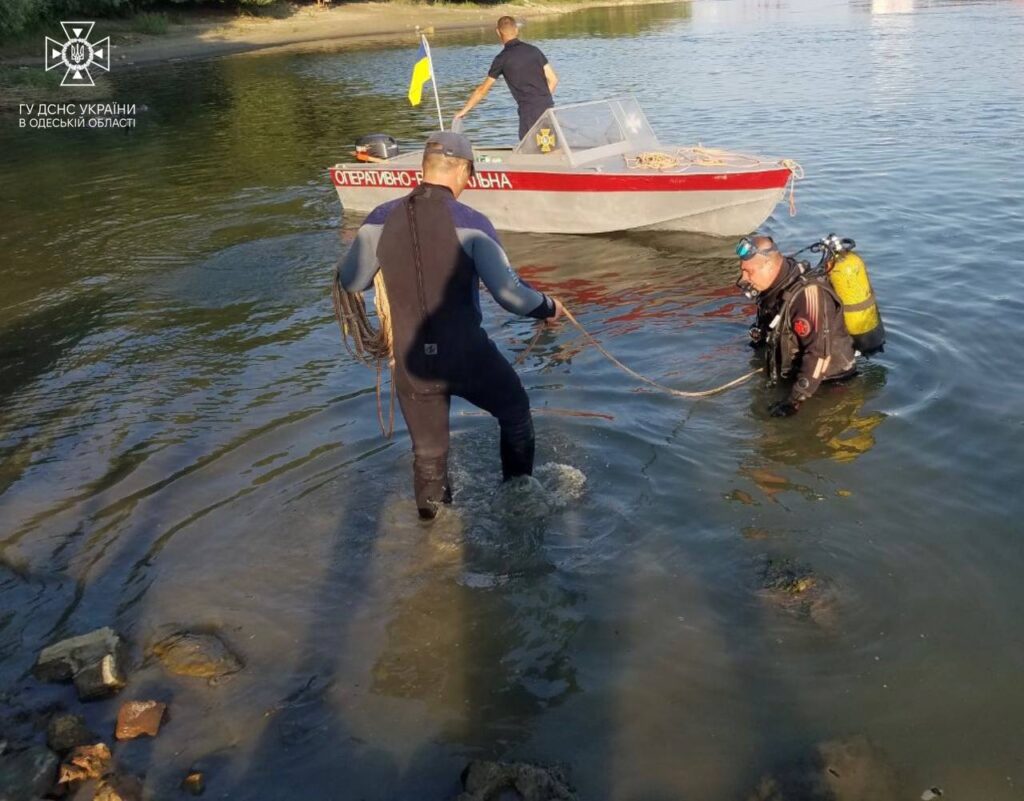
x: 546, y: 140
x: 78, y: 54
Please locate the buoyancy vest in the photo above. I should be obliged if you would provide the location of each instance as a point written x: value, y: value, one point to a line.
x: 775, y: 318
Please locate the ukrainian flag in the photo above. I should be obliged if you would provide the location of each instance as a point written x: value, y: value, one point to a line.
x: 421, y: 73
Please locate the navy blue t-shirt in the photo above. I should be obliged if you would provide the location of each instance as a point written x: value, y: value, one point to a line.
x: 522, y: 66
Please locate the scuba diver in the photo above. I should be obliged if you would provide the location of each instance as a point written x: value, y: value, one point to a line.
x: 811, y: 323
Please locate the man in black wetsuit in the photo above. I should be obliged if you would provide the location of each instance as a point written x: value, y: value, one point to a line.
x: 433, y: 252
x: 526, y: 70
x: 800, y: 324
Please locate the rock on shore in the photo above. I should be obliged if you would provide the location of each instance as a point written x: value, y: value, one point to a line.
x: 94, y: 661
x: 28, y: 774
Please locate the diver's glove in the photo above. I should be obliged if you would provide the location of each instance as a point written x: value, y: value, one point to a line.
x: 756, y: 334
x: 786, y: 408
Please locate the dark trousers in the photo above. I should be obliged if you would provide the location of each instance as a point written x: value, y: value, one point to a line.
x: 489, y: 383
x: 528, y: 115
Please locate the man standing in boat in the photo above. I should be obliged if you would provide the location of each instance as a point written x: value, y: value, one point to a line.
x: 434, y: 252
x: 529, y: 76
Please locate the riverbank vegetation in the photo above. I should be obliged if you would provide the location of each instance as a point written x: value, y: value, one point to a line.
x: 21, y: 18
x: 155, y: 31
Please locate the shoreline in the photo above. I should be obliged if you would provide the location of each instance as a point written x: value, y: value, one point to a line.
x: 311, y: 26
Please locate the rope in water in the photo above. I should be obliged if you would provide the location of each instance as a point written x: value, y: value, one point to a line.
x: 374, y: 347
x: 705, y: 393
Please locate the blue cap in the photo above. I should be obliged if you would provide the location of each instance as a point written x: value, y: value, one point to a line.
x: 451, y: 144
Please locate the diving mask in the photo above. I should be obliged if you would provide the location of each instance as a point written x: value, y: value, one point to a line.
x: 746, y: 249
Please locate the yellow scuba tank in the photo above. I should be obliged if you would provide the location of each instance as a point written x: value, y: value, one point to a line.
x: 849, y: 278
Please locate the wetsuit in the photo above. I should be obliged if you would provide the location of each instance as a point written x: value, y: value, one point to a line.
x: 522, y: 66
x: 433, y: 252
x: 808, y: 340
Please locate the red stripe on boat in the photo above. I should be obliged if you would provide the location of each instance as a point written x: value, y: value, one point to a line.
x: 590, y: 182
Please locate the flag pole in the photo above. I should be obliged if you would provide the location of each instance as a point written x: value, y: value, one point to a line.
x: 433, y: 80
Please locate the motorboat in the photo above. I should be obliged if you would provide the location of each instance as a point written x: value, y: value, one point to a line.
x: 591, y: 168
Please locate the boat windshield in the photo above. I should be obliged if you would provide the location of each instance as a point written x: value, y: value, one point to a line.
x: 587, y: 132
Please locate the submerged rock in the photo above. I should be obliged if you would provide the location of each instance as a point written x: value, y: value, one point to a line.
x: 858, y: 770
x: 795, y: 588
x: 94, y: 661
x: 27, y: 775
x: 838, y: 770
x: 85, y: 762
x: 66, y: 731
x: 194, y: 783
x: 139, y: 718
x: 498, y: 781
x: 60, y: 661
x: 101, y: 679
x: 787, y: 576
x: 119, y: 788
x: 202, y: 656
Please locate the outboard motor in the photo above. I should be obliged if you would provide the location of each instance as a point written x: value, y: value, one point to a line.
x: 376, y: 147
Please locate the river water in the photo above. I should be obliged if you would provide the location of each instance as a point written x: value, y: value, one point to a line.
x: 185, y: 442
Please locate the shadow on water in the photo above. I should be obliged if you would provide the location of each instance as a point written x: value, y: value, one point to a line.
x: 429, y: 643
x: 306, y: 744
x: 32, y: 345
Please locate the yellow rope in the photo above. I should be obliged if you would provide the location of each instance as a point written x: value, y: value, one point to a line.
x: 796, y: 172
x: 686, y: 158
x: 700, y: 156
x: 372, y: 347
x: 629, y: 371
x: 677, y: 392
x: 652, y: 160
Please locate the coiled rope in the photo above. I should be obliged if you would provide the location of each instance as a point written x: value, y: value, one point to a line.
x: 374, y: 347
x: 686, y: 158
x: 371, y: 347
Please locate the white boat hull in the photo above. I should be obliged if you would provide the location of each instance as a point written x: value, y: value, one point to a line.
x: 719, y: 204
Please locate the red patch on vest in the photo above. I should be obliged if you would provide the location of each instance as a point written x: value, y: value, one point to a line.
x: 801, y: 327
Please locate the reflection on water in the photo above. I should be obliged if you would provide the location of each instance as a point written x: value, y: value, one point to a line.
x: 834, y: 424
x: 892, y: 6
x: 184, y: 442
